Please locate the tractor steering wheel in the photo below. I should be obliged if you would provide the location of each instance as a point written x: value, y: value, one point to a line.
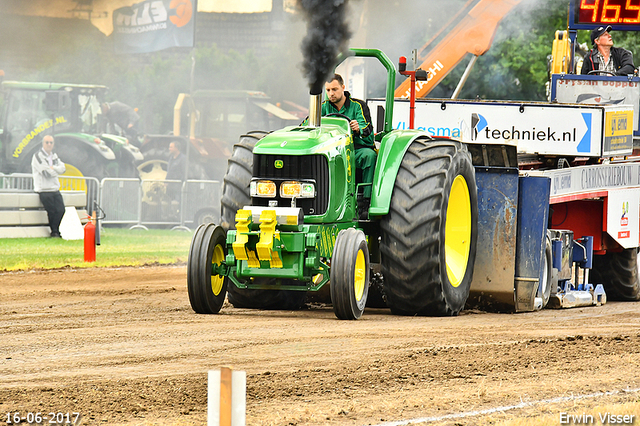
x: 337, y: 114
x: 600, y: 72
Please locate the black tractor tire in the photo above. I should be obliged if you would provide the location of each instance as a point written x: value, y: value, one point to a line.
x: 87, y: 160
x: 126, y: 165
x: 235, y: 195
x: 618, y: 273
x: 235, y: 187
x: 349, y: 274
x: 206, y: 292
x: 159, y: 154
x: 417, y: 277
x: 206, y: 215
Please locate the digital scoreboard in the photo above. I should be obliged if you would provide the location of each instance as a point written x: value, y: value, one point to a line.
x: 620, y: 14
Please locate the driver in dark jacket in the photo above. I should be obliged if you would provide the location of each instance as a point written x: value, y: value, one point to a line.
x: 606, y: 58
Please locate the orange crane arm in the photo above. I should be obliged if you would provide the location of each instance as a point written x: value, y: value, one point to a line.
x: 474, y: 34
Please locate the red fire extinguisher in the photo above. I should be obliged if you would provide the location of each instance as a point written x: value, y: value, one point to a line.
x: 90, y: 241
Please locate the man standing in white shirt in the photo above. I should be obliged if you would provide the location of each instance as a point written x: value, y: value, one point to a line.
x: 46, y: 167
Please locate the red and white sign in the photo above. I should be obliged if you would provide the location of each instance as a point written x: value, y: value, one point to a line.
x: 623, y: 216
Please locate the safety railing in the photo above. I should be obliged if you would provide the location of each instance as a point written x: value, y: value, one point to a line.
x: 138, y: 203
x: 151, y: 202
x: 23, y: 182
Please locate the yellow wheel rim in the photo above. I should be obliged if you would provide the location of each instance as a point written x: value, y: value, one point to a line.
x: 72, y: 184
x: 218, y: 280
x: 457, y: 233
x: 359, y: 276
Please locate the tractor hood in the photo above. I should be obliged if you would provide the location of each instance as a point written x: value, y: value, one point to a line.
x: 297, y: 140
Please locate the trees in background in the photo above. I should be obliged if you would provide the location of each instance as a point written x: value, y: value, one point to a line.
x: 515, y: 68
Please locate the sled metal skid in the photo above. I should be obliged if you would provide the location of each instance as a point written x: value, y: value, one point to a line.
x: 568, y: 253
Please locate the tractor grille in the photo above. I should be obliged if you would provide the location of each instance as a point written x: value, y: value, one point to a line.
x: 310, y: 167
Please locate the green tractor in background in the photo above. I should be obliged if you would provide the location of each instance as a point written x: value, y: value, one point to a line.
x: 291, y: 222
x: 70, y: 112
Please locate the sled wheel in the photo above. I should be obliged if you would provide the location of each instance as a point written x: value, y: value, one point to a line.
x: 547, y: 270
x: 349, y: 274
x: 206, y: 291
x: 429, y: 237
x: 618, y: 272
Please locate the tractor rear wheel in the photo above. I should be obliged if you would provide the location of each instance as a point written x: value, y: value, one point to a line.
x: 429, y: 237
x: 236, y: 195
x: 82, y: 158
x: 349, y: 274
x: 206, y: 291
x: 618, y: 272
x: 156, y: 159
x: 235, y: 190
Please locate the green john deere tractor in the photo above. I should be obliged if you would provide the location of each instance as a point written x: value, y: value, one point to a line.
x: 291, y: 222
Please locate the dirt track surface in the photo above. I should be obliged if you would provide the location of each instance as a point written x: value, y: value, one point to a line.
x: 122, y: 346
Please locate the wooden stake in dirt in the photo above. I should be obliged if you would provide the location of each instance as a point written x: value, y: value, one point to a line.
x: 227, y: 391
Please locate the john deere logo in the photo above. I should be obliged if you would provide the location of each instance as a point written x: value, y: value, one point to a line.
x: 278, y: 164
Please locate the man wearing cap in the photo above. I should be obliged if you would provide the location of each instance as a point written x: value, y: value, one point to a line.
x: 604, y: 57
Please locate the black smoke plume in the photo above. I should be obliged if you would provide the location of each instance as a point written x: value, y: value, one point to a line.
x: 327, y: 35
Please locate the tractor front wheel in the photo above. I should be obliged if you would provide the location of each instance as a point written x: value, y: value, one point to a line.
x: 350, y: 274
x: 206, y: 291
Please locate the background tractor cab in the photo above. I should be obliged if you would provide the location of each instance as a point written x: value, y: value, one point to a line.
x: 70, y: 113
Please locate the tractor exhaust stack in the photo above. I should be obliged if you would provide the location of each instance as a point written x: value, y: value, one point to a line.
x: 315, y: 109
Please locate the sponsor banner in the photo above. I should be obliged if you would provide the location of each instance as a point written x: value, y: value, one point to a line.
x: 618, y: 135
x: 603, y: 90
x: 593, y: 178
x: 154, y: 25
x: 536, y: 128
x: 623, y: 216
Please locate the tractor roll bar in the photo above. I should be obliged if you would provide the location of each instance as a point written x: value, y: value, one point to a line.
x: 391, y: 78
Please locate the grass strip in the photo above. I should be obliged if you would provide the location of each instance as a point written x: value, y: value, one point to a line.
x: 118, y: 247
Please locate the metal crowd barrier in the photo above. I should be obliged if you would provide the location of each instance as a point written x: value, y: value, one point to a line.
x: 23, y: 182
x: 120, y: 201
x: 16, y: 182
x: 150, y: 202
x: 138, y: 203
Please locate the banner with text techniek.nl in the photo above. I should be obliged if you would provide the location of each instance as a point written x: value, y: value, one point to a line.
x: 154, y: 25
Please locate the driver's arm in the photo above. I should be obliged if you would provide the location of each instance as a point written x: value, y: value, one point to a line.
x: 363, y: 117
x: 626, y: 63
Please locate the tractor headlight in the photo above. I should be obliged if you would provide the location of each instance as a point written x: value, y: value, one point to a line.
x: 294, y: 189
x: 263, y: 189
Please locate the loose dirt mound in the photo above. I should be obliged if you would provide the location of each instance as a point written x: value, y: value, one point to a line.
x: 122, y: 346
